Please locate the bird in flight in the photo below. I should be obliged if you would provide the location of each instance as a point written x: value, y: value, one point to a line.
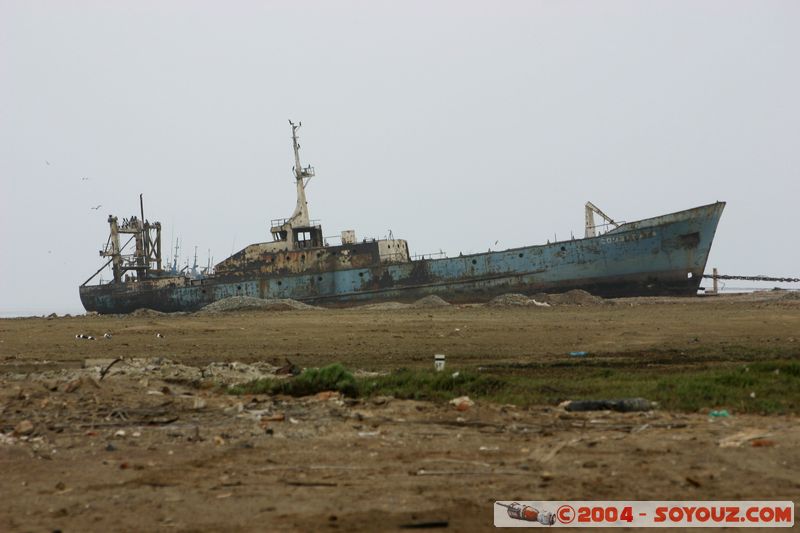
x: 98, y: 207
x: 47, y: 162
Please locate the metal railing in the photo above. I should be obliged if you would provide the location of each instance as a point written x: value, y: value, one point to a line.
x: 278, y: 222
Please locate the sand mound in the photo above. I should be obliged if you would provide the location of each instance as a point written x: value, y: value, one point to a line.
x: 144, y: 312
x: 573, y: 297
x: 383, y: 306
x: 241, y: 303
x: 429, y: 302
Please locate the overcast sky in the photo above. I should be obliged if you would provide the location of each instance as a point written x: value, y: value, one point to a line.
x: 453, y: 123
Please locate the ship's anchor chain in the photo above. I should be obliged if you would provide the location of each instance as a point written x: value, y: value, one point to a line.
x: 752, y: 278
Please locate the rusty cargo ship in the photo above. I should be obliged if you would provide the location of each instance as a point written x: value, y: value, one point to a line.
x: 663, y: 255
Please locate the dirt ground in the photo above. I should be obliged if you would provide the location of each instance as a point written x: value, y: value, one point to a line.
x: 154, y: 446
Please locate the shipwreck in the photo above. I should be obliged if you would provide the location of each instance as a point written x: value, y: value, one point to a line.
x: 663, y: 255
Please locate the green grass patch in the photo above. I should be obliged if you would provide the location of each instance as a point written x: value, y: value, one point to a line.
x: 758, y: 387
x: 333, y: 377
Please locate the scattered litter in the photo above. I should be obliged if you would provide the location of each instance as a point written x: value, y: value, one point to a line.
x: 737, y: 439
x: 462, y: 403
x: 426, y: 524
x: 198, y: 404
x: 368, y: 433
x: 438, y: 362
x: 106, y: 369
x: 624, y: 405
x: 719, y: 414
x: 489, y: 448
x: 106, y: 335
x: 159, y: 335
x: 762, y: 443
x: 289, y: 369
x: 579, y: 354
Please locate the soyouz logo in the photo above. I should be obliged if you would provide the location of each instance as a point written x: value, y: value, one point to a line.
x: 644, y: 514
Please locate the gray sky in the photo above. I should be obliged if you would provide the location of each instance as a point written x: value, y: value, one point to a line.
x: 452, y: 123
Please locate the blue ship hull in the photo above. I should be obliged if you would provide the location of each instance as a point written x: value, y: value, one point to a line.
x: 665, y: 255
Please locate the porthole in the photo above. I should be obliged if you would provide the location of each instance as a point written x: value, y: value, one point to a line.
x: 563, y: 249
x: 319, y: 278
x: 520, y: 255
x: 280, y: 283
x: 474, y: 262
x: 360, y: 274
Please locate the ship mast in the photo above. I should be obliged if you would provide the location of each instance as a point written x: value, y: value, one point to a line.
x: 302, y: 176
x: 297, y: 231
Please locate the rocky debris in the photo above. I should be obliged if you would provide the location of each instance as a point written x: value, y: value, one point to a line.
x: 240, y: 303
x: 76, y: 384
x: 507, y: 300
x: 24, y: 427
x: 167, y: 370
x: 429, y: 302
x: 514, y: 299
x: 624, y: 405
x: 573, y: 297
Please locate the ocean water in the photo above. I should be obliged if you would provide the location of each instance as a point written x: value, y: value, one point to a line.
x: 38, y: 311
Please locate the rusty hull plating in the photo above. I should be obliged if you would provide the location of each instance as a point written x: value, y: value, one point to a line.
x: 664, y: 255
